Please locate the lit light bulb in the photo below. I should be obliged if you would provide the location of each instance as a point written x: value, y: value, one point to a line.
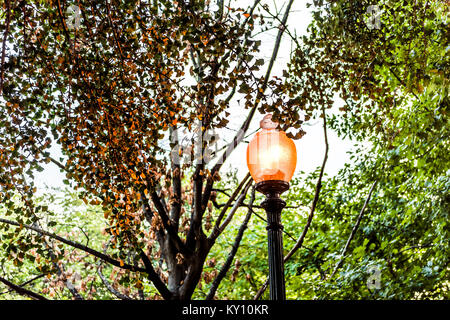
x: 271, y: 155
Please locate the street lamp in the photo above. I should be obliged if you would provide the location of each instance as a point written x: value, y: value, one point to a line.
x: 271, y: 160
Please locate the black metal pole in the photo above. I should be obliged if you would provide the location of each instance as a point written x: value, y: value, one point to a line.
x: 273, y: 205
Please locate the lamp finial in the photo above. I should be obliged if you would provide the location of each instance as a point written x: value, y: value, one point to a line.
x: 267, y: 123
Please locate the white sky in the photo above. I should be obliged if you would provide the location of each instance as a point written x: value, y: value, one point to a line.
x: 310, y: 148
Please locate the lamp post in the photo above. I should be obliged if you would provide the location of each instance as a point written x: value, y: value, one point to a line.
x: 271, y: 160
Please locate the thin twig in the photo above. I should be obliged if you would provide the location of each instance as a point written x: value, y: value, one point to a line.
x: 235, y: 207
x: 215, y: 233
x: 226, y: 266
x: 106, y: 283
x: 352, y: 234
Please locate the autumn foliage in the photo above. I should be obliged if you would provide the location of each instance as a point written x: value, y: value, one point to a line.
x: 108, y: 87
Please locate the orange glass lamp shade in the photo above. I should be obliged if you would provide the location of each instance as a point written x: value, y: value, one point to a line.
x: 271, y: 155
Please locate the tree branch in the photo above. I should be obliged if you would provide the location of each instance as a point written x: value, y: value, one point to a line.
x: 25, y: 283
x: 226, y: 266
x: 114, y: 32
x: 60, y: 268
x: 173, y: 235
x: 23, y: 291
x: 176, y: 201
x: 215, y: 233
x: 316, y: 194
x: 63, y: 22
x: 106, y: 283
x: 355, y: 228
x: 233, y: 210
x: 195, y: 229
x: 154, y: 277
x: 221, y: 205
x: 74, y: 244
x: 111, y: 288
x: 148, y: 213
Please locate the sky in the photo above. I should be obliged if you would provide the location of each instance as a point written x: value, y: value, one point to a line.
x: 310, y: 148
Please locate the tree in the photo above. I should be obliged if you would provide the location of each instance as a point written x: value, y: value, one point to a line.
x: 106, y: 82
x: 387, y: 211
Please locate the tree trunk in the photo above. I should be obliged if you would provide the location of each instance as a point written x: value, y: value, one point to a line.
x: 194, y: 269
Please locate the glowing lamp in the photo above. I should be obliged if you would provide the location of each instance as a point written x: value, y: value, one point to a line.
x: 271, y: 155
x: 271, y: 160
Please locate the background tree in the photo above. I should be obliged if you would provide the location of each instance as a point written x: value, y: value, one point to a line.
x: 388, y: 210
x: 383, y: 217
